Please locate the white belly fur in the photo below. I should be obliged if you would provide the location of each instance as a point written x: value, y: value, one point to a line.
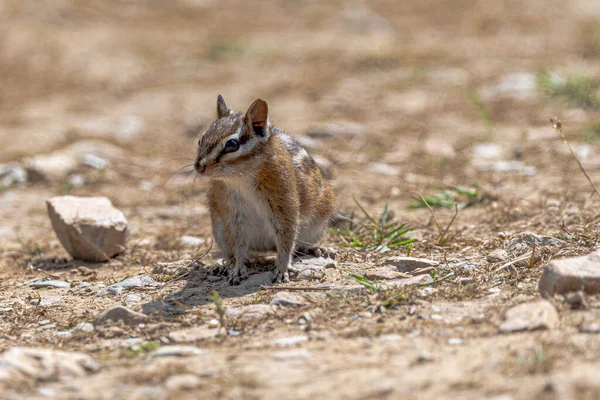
x: 255, y: 218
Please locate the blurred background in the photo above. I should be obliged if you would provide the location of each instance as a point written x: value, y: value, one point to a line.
x: 392, y: 97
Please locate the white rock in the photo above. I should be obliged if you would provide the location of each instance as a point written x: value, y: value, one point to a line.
x: 192, y: 334
x: 213, y: 323
x: 251, y: 311
x: 89, y: 228
x: 383, y: 169
x: 517, y: 85
x: 182, y: 382
x: 76, y: 180
x: 571, y: 275
x: 192, y: 241
x: 59, y: 164
x: 130, y: 283
x: 26, y: 364
x: 94, y: 161
x: 530, y: 316
x: 84, y: 327
x: 177, y: 351
x: 132, y: 299
x: 130, y: 127
x: 12, y: 174
x: 288, y: 299
x: 50, y: 167
x: 506, y: 166
x: 498, y: 255
x: 488, y: 152
x: 52, y: 283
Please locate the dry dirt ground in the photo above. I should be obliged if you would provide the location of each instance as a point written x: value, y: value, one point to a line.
x: 398, y: 97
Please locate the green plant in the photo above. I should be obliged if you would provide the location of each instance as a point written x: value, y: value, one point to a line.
x: 371, y: 287
x: 219, y: 309
x: 579, y: 90
x: 376, y: 235
x: 224, y: 48
x: 457, y: 195
x: 483, y: 113
x: 591, y: 132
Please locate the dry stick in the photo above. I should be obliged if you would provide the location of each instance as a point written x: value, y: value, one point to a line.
x: 557, y: 125
x: 295, y: 288
x: 516, y: 260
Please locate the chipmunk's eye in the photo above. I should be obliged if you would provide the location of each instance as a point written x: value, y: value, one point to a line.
x: 232, y: 145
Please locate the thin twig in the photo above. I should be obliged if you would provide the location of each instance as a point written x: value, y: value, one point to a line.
x: 516, y: 260
x: 557, y: 125
x: 279, y: 288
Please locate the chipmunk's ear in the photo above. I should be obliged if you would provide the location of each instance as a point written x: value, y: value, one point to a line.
x: 222, y: 109
x: 257, y: 117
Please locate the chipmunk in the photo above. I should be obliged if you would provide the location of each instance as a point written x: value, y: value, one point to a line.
x: 265, y: 192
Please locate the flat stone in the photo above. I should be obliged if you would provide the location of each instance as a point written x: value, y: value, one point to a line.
x: 132, y: 299
x: 415, y: 280
x: 49, y: 283
x: 498, y: 255
x: 27, y: 365
x: 12, y: 174
x: 288, y: 299
x: 50, y: 167
x: 249, y: 312
x: 384, y: 273
x: 120, y: 313
x: 381, y: 168
x: 345, y: 289
x: 183, y: 382
x: 50, y: 300
x: 571, y: 275
x: 177, y: 351
x: 89, y: 228
x: 408, y: 264
x: 524, y: 241
x: 530, y: 316
x: 130, y: 283
x: 193, y: 334
x: 312, y: 267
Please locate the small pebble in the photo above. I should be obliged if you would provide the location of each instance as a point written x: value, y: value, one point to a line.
x: 213, y: 323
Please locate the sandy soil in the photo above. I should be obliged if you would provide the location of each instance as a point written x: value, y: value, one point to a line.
x: 398, y: 97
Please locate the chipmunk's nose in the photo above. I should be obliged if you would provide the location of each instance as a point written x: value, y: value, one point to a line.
x: 199, y: 166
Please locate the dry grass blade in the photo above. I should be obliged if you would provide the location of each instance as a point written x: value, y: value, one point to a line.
x: 442, y: 231
x: 557, y: 125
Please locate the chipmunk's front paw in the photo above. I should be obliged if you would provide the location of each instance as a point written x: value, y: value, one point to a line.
x: 321, y: 252
x: 281, y: 276
x: 237, y: 275
x: 219, y: 270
